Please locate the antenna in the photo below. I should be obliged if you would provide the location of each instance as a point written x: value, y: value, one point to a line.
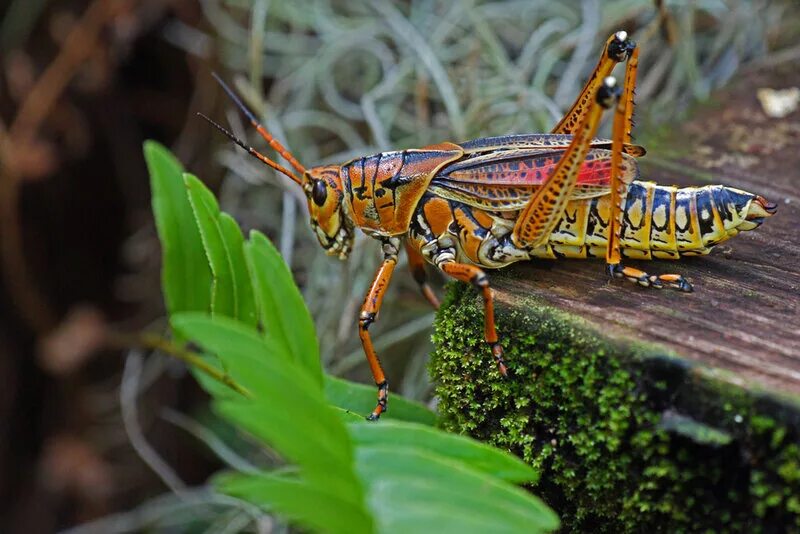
x: 253, y: 152
x: 274, y: 143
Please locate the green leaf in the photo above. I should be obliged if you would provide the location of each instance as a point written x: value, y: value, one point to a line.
x: 288, y: 410
x: 231, y: 291
x: 469, y: 452
x: 309, y: 505
x: 281, y: 309
x: 324, y: 459
x: 185, y: 274
x: 245, y: 295
x: 409, y: 490
x: 206, y: 211
x: 349, y: 417
x: 361, y: 399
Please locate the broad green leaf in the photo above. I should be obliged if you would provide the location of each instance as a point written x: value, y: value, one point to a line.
x: 206, y: 212
x: 252, y: 360
x: 361, y: 398
x: 288, y: 410
x: 281, y: 309
x: 298, y: 438
x: 470, y: 452
x: 231, y: 291
x: 306, y: 504
x: 213, y: 387
x: 410, y: 489
x: 245, y: 295
x: 185, y: 275
x: 347, y: 416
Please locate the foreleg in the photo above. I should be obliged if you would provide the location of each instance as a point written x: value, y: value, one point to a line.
x: 369, y: 312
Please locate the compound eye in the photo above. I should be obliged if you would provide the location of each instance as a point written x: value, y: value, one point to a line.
x: 319, y: 192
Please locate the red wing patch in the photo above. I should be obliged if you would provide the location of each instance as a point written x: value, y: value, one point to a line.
x: 506, y: 180
x: 510, y: 169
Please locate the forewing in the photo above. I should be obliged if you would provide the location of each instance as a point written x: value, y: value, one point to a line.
x: 505, y: 180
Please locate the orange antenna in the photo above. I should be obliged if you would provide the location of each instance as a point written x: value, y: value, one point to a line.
x: 274, y: 143
x: 280, y: 168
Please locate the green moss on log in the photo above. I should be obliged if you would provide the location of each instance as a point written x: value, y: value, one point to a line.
x: 626, y: 436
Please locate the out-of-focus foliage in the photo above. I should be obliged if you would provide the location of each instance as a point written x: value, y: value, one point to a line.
x: 341, y: 473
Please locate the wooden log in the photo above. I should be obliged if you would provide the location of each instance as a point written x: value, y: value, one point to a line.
x: 646, y: 408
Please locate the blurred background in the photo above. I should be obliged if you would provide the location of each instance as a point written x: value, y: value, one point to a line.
x: 84, y: 82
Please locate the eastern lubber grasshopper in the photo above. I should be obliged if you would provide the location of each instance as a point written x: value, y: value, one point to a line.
x: 494, y: 201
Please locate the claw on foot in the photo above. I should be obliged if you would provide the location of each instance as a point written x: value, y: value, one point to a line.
x: 497, y: 352
x: 677, y: 281
x: 383, y: 401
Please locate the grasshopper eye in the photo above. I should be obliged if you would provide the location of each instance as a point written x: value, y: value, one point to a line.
x: 319, y: 192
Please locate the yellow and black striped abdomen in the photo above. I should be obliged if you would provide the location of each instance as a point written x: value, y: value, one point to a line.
x: 659, y: 222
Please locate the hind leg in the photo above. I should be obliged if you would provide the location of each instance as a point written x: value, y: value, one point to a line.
x: 618, y: 48
x: 643, y: 279
x: 542, y: 212
x: 621, y: 135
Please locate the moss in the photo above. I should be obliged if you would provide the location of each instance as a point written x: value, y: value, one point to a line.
x: 626, y: 436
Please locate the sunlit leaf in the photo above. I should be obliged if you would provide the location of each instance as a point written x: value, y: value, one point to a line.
x: 245, y: 294
x: 288, y: 410
x: 361, y: 398
x: 185, y: 274
x: 408, y: 490
x: 232, y: 292
x: 308, y: 505
x: 470, y: 452
x: 281, y: 308
x: 206, y: 212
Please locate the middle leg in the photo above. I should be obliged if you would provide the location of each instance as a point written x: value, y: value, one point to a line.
x: 475, y: 276
x: 417, y: 265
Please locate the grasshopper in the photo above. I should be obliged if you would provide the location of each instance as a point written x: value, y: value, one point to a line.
x: 486, y: 203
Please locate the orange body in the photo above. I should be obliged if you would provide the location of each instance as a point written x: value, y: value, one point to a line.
x: 383, y: 190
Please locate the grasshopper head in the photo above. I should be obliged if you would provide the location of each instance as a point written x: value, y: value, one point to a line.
x: 322, y: 185
x: 324, y: 191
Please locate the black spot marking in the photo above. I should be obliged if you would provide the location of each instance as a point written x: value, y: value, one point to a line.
x: 705, y: 214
